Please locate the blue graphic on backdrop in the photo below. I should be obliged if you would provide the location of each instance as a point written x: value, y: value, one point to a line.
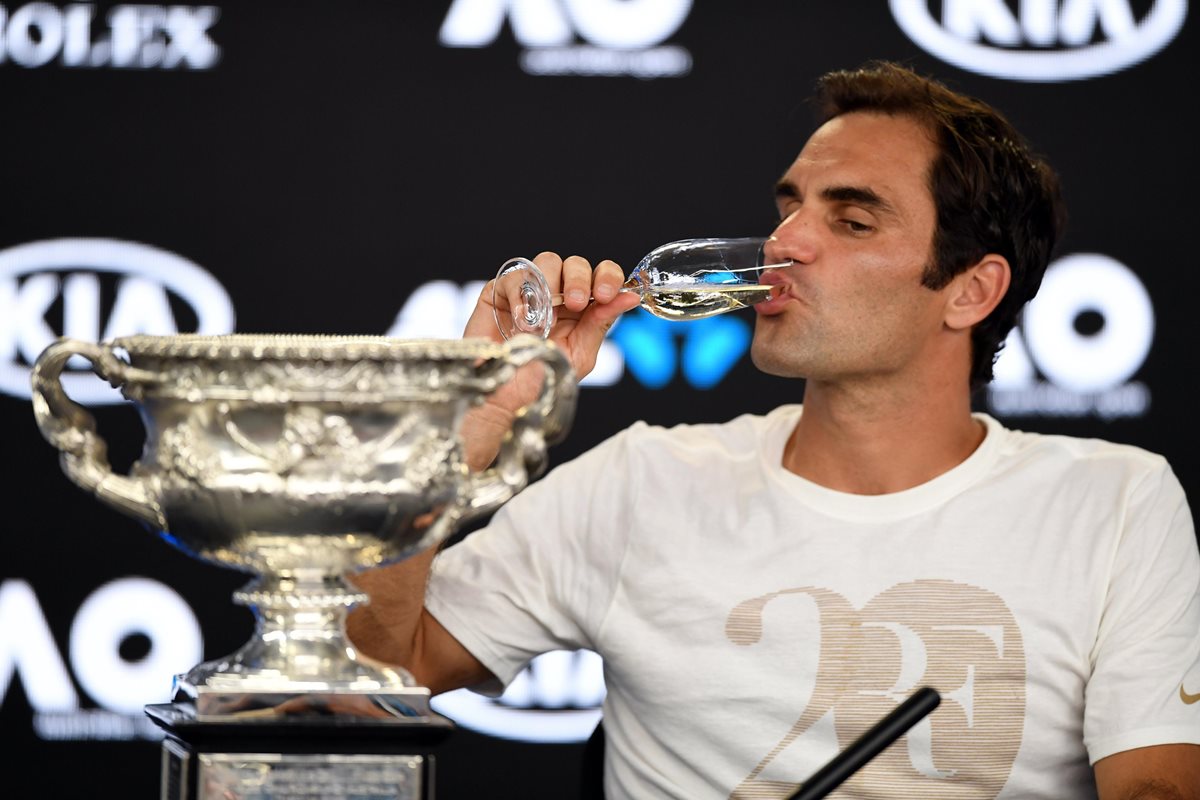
x: 709, y: 350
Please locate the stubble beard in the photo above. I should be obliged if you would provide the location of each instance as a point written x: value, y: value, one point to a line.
x: 776, y: 351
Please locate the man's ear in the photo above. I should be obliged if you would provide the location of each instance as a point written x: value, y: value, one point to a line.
x: 976, y: 291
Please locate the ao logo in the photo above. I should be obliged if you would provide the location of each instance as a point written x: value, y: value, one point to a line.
x: 71, y: 270
x: 621, y: 24
x: 555, y: 699
x: 1047, y: 40
x: 704, y: 350
x: 621, y: 35
x: 1084, y: 283
x: 652, y: 349
x: 111, y: 614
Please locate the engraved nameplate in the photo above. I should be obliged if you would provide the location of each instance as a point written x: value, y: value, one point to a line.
x: 272, y: 776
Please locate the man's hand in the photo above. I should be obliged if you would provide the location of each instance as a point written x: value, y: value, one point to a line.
x: 592, y: 302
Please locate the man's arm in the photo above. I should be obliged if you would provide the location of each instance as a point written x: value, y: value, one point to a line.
x: 1161, y: 772
x: 394, y: 626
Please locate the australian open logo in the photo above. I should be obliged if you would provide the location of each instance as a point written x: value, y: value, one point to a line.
x: 1043, y: 40
x: 97, y: 289
x: 603, y: 38
x: 1080, y: 345
x: 125, y: 637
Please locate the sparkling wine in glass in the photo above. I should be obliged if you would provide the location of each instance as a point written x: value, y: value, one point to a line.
x: 684, y: 280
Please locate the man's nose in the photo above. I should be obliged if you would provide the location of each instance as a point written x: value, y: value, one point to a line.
x: 792, y: 240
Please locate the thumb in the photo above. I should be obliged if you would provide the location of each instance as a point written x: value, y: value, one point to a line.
x: 593, y: 325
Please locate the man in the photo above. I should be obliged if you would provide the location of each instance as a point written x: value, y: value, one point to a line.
x: 765, y: 589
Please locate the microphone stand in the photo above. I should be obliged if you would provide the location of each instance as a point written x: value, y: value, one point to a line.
x: 869, y: 745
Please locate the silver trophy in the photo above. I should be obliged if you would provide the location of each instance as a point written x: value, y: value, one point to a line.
x: 301, y: 459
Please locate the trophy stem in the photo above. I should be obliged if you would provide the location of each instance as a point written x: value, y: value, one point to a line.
x: 300, y: 621
x: 300, y: 662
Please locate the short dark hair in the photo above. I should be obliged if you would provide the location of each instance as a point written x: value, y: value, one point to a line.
x: 991, y: 193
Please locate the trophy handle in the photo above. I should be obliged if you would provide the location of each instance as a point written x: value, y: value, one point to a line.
x: 72, y: 429
x: 523, y: 452
x: 547, y: 419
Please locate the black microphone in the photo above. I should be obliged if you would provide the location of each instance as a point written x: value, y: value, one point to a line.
x: 869, y: 745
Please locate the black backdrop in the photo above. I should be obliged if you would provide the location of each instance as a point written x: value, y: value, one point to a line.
x: 327, y: 162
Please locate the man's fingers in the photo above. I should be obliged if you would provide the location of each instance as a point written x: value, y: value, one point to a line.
x: 592, y: 301
x: 592, y: 327
x: 552, y: 267
x: 606, y: 281
x: 576, y: 283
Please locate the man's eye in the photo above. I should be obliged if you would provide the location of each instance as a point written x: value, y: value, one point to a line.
x: 857, y: 227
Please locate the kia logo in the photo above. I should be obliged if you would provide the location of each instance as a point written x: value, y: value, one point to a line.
x: 1046, y: 40
x: 34, y: 277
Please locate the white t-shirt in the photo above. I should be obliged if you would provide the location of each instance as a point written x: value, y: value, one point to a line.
x: 753, y: 623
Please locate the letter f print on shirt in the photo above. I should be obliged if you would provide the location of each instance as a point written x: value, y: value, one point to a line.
x: 957, y: 638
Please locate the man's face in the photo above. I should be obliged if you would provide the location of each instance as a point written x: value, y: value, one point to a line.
x: 857, y: 222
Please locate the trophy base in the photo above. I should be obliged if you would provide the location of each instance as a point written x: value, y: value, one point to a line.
x: 388, y: 706
x: 285, y: 758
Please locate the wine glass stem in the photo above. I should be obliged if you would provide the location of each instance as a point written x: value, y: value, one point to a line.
x: 557, y: 300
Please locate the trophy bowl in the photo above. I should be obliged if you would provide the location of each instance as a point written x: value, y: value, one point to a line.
x: 300, y: 459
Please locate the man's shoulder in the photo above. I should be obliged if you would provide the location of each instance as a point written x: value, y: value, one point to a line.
x: 1081, y: 452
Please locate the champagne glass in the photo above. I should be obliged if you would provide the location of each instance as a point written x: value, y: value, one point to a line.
x: 683, y: 280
